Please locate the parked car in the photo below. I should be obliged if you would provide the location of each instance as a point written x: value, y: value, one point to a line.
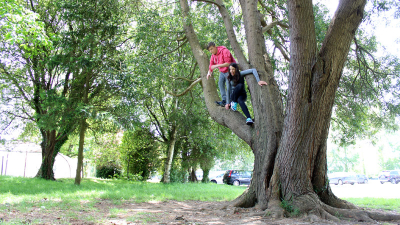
x: 237, y: 177
x: 342, y: 178
x: 350, y: 179
x: 217, y: 178
x: 362, y: 179
x: 392, y: 176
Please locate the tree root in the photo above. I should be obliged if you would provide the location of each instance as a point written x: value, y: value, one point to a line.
x: 361, y: 215
x: 247, y: 199
x: 310, y: 205
x: 274, y: 210
x: 329, y: 198
x: 313, y: 208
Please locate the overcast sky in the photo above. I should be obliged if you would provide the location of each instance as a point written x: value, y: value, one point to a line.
x: 386, y: 28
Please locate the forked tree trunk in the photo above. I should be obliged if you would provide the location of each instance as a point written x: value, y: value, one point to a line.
x: 313, y: 81
x: 290, y: 155
x: 50, y: 146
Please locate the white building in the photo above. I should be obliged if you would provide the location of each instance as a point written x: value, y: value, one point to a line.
x: 24, y: 160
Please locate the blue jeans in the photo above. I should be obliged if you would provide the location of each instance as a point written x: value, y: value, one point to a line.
x: 222, y: 83
x: 249, y: 71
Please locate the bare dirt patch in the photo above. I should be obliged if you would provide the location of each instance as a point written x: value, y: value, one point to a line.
x: 170, y: 212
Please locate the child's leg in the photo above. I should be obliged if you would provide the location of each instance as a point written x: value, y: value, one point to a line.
x: 241, y: 100
x: 237, y: 91
x: 221, y: 85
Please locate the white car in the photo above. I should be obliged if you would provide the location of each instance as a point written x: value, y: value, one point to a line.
x: 217, y: 179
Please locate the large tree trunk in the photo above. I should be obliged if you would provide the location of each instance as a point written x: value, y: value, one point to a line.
x: 313, y: 81
x: 51, y: 145
x: 290, y: 154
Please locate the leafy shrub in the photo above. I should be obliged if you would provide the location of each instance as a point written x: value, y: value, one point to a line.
x: 131, y: 177
x: 108, y: 172
x: 178, y: 175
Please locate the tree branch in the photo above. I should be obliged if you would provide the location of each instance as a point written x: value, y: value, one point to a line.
x: 271, y: 25
x: 262, y: 5
x: 166, y: 53
x: 7, y: 125
x: 184, y: 78
x: 341, y: 30
x: 15, y: 115
x: 185, y: 91
x: 164, y: 112
x: 158, y: 127
x: 209, y: 1
x: 283, y: 52
x: 15, y: 82
x: 224, y: 117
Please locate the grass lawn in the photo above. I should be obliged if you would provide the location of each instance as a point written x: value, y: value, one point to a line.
x: 17, y: 190
x: 29, y: 195
x: 377, y: 203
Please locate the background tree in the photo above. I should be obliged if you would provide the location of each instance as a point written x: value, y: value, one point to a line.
x: 162, y: 44
x: 36, y: 90
x: 140, y: 153
x: 389, y: 159
x: 66, y: 69
x: 96, y: 30
x: 342, y: 160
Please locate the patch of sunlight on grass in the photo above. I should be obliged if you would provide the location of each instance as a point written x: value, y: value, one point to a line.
x: 377, y: 203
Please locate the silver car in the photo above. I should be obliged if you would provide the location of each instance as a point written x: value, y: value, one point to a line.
x: 362, y: 179
x: 340, y: 178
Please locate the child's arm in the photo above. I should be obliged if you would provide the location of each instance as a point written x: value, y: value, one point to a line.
x: 255, y: 73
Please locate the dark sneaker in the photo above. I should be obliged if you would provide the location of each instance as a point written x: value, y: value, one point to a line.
x: 221, y: 103
x: 249, y: 121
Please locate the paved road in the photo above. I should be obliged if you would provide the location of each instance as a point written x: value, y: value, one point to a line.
x: 373, y: 189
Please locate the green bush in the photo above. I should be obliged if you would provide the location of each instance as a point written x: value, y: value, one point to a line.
x: 178, y: 175
x: 131, y: 177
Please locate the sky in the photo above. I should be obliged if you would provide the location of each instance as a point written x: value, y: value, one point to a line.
x: 386, y: 29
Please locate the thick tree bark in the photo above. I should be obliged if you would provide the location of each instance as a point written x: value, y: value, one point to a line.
x: 50, y: 146
x: 313, y: 81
